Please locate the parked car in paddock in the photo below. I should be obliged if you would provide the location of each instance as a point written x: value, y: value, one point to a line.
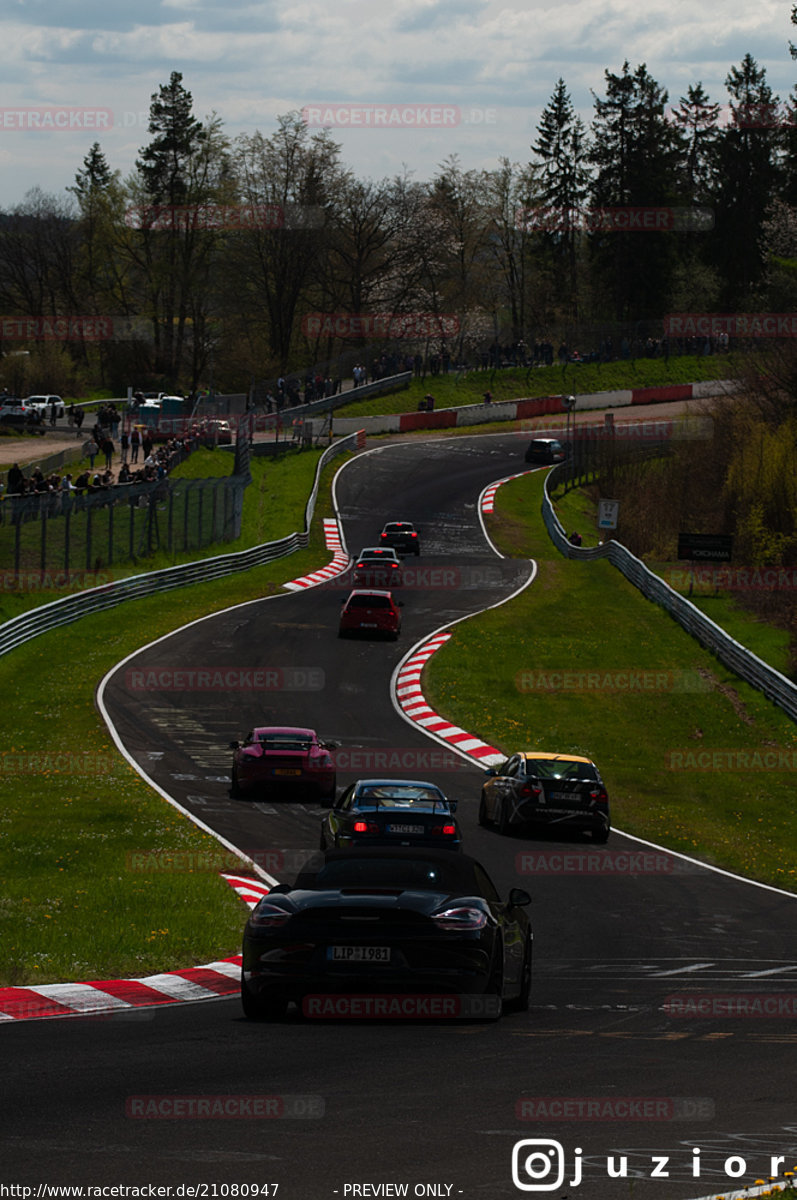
x: 545, y: 450
x: 370, y: 611
x: 19, y: 413
x: 44, y: 405
x: 391, y: 812
x: 402, y: 536
x: 384, y: 923
x: 283, y: 758
x: 377, y: 567
x: 560, y: 792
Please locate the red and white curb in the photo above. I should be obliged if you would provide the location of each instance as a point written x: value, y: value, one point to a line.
x: 208, y: 982
x: 413, y: 704
x: 338, y: 565
x: 488, y: 495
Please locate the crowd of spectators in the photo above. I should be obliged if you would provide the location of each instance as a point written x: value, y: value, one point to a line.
x: 60, y: 492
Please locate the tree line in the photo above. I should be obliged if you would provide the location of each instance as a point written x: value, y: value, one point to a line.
x: 212, y: 254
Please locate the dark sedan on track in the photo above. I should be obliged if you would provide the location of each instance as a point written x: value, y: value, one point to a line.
x: 387, y: 924
x: 402, y: 536
x: 391, y: 812
x: 562, y: 792
x: 283, y: 758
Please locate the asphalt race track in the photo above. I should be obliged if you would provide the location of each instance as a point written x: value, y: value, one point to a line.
x: 598, y: 1064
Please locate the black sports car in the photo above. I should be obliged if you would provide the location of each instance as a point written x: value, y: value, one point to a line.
x: 559, y: 791
x: 391, y: 812
x: 387, y: 924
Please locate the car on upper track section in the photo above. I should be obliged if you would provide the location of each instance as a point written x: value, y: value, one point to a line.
x: 391, y: 812
x: 388, y: 925
x: 377, y: 567
x: 402, y: 536
x: 370, y: 610
x: 562, y: 792
x: 283, y: 758
x: 545, y: 450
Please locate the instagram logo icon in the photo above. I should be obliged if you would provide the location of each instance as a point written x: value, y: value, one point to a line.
x: 538, y: 1164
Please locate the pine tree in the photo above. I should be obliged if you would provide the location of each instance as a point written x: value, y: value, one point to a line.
x: 563, y: 185
x: 748, y: 177
x: 637, y: 152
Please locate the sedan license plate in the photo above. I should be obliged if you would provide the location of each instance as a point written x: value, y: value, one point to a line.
x: 359, y: 953
x: 405, y: 829
x: 368, y: 625
x: 287, y: 771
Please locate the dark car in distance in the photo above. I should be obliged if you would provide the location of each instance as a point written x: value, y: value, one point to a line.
x: 545, y: 450
x: 562, y: 792
x: 387, y: 923
x: 402, y: 536
x: 391, y: 812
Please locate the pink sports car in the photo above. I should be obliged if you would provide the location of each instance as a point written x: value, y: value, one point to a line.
x: 283, y: 758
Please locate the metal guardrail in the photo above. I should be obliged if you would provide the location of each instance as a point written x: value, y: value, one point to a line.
x: 733, y: 654
x: 40, y: 620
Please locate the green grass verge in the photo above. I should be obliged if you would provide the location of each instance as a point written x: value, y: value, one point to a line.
x: 649, y: 740
x: 274, y: 504
x: 455, y: 389
x: 74, y: 815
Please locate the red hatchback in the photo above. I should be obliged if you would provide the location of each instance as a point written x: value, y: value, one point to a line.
x: 369, y: 610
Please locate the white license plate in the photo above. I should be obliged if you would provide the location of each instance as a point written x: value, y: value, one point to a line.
x: 571, y: 796
x: 405, y: 829
x: 359, y: 953
x: 369, y: 625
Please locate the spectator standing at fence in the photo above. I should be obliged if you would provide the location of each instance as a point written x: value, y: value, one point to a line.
x: 108, y: 449
x: 146, y: 444
x: 71, y: 415
x: 124, y: 444
x: 91, y: 450
x: 79, y: 417
x: 16, y: 481
x: 135, y: 444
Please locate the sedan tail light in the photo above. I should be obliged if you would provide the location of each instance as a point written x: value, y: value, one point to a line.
x: 269, y: 916
x: 464, y: 917
x: 598, y: 795
x: 443, y: 831
x: 531, y: 789
x: 365, y: 827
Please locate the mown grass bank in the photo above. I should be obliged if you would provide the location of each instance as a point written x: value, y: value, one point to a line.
x: 582, y: 663
x: 274, y: 506
x: 468, y: 387
x: 74, y: 816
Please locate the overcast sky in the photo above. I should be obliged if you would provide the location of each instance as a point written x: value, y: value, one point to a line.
x: 469, y: 77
